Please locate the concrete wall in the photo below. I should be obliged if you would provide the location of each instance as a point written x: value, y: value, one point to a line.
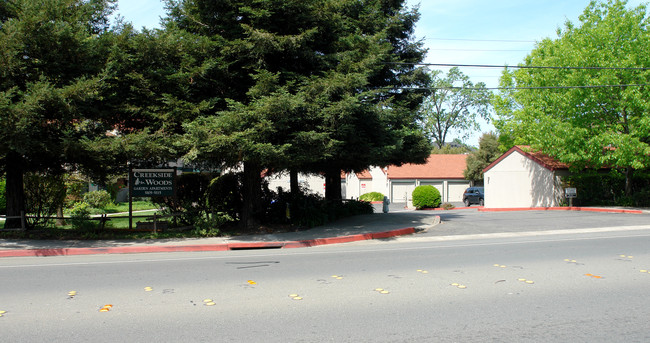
x: 518, y: 181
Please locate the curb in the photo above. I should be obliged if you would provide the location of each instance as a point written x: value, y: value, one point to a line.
x: 582, y: 209
x: 204, y: 247
x: 451, y: 209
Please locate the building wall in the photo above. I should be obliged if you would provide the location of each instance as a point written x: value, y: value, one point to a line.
x: 315, y: 183
x: 357, y: 187
x: 450, y: 190
x: 518, y: 181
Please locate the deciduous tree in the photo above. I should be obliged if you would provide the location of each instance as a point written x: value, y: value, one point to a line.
x: 487, y: 153
x: 591, y: 109
x: 455, y: 105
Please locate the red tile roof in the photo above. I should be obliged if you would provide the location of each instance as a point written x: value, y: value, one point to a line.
x: 436, y: 167
x: 540, y: 158
x: 364, y: 175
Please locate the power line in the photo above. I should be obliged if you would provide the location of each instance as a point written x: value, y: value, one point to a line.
x: 520, y: 88
x: 515, y: 67
x: 483, y: 40
x: 482, y: 50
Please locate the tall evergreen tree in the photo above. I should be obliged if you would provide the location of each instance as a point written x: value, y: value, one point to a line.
x: 305, y: 85
x: 52, y: 54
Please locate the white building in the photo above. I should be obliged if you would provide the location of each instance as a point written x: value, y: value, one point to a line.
x: 445, y: 172
x: 521, y: 178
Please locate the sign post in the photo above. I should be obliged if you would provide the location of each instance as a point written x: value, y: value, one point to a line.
x: 570, y: 193
x: 150, y: 183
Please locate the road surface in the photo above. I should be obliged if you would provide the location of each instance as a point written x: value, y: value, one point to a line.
x: 560, y: 288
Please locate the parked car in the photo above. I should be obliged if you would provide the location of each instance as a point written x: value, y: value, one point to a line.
x: 474, y: 195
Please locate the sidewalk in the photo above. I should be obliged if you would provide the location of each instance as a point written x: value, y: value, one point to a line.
x: 398, y: 222
x: 374, y: 226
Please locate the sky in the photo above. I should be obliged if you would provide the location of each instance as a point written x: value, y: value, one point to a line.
x: 498, y: 32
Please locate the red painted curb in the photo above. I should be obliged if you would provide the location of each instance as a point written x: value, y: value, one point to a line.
x: 583, y: 209
x: 203, y: 247
x: 451, y: 209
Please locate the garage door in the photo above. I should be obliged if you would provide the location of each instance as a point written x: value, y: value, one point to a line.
x: 456, y: 190
x: 401, y: 191
x: 438, y: 186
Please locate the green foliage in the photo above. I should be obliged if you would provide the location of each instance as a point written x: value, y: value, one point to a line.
x: 75, y: 188
x: 487, y: 153
x: 309, y: 210
x: 190, y: 201
x: 303, y: 85
x: 44, y: 195
x: 80, y: 216
x: 3, y: 199
x: 97, y: 199
x: 211, y: 226
x: 455, y: 148
x: 450, y: 108
x: 426, y: 197
x: 608, y: 188
x: 224, y: 195
x: 372, y: 196
x: 51, y: 77
x: 588, y: 123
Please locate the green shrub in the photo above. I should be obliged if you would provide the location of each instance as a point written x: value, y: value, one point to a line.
x: 309, y: 210
x: 75, y: 187
x: 80, y: 216
x: 97, y: 199
x: 372, y: 196
x: 597, y: 188
x: 224, y: 195
x: 44, y: 195
x: 426, y: 197
x: 3, y: 196
x: 190, y: 202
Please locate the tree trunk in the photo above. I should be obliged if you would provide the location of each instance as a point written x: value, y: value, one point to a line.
x: 333, y: 184
x: 15, y: 191
x: 252, y: 186
x: 59, y: 213
x: 628, y: 181
x: 293, y: 182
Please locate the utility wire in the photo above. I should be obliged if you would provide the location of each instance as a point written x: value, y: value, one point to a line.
x: 518, y: 88
x: 482, y: 50
x: 515, y: 67
x: 483, y: 40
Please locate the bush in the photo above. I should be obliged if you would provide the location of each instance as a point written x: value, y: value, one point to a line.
x: 426, y: 197
x: 372, y: 196
x: 224, y: 195
x: 75, y: 187
x: 44, y: 195
x: 607, y: 189
x: 309, y: 210
x: 3, y: 196
x: 80, y: 216
x: 190, y: 201
x: 97, y: 199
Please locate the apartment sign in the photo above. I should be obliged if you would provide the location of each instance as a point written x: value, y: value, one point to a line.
x: 152, y: 182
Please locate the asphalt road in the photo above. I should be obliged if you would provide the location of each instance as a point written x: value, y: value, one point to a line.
x: 582, y: 288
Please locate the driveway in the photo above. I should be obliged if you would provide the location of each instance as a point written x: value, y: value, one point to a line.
x: 471, y: 221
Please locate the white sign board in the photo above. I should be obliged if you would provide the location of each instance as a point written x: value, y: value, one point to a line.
x: 570, y: 192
